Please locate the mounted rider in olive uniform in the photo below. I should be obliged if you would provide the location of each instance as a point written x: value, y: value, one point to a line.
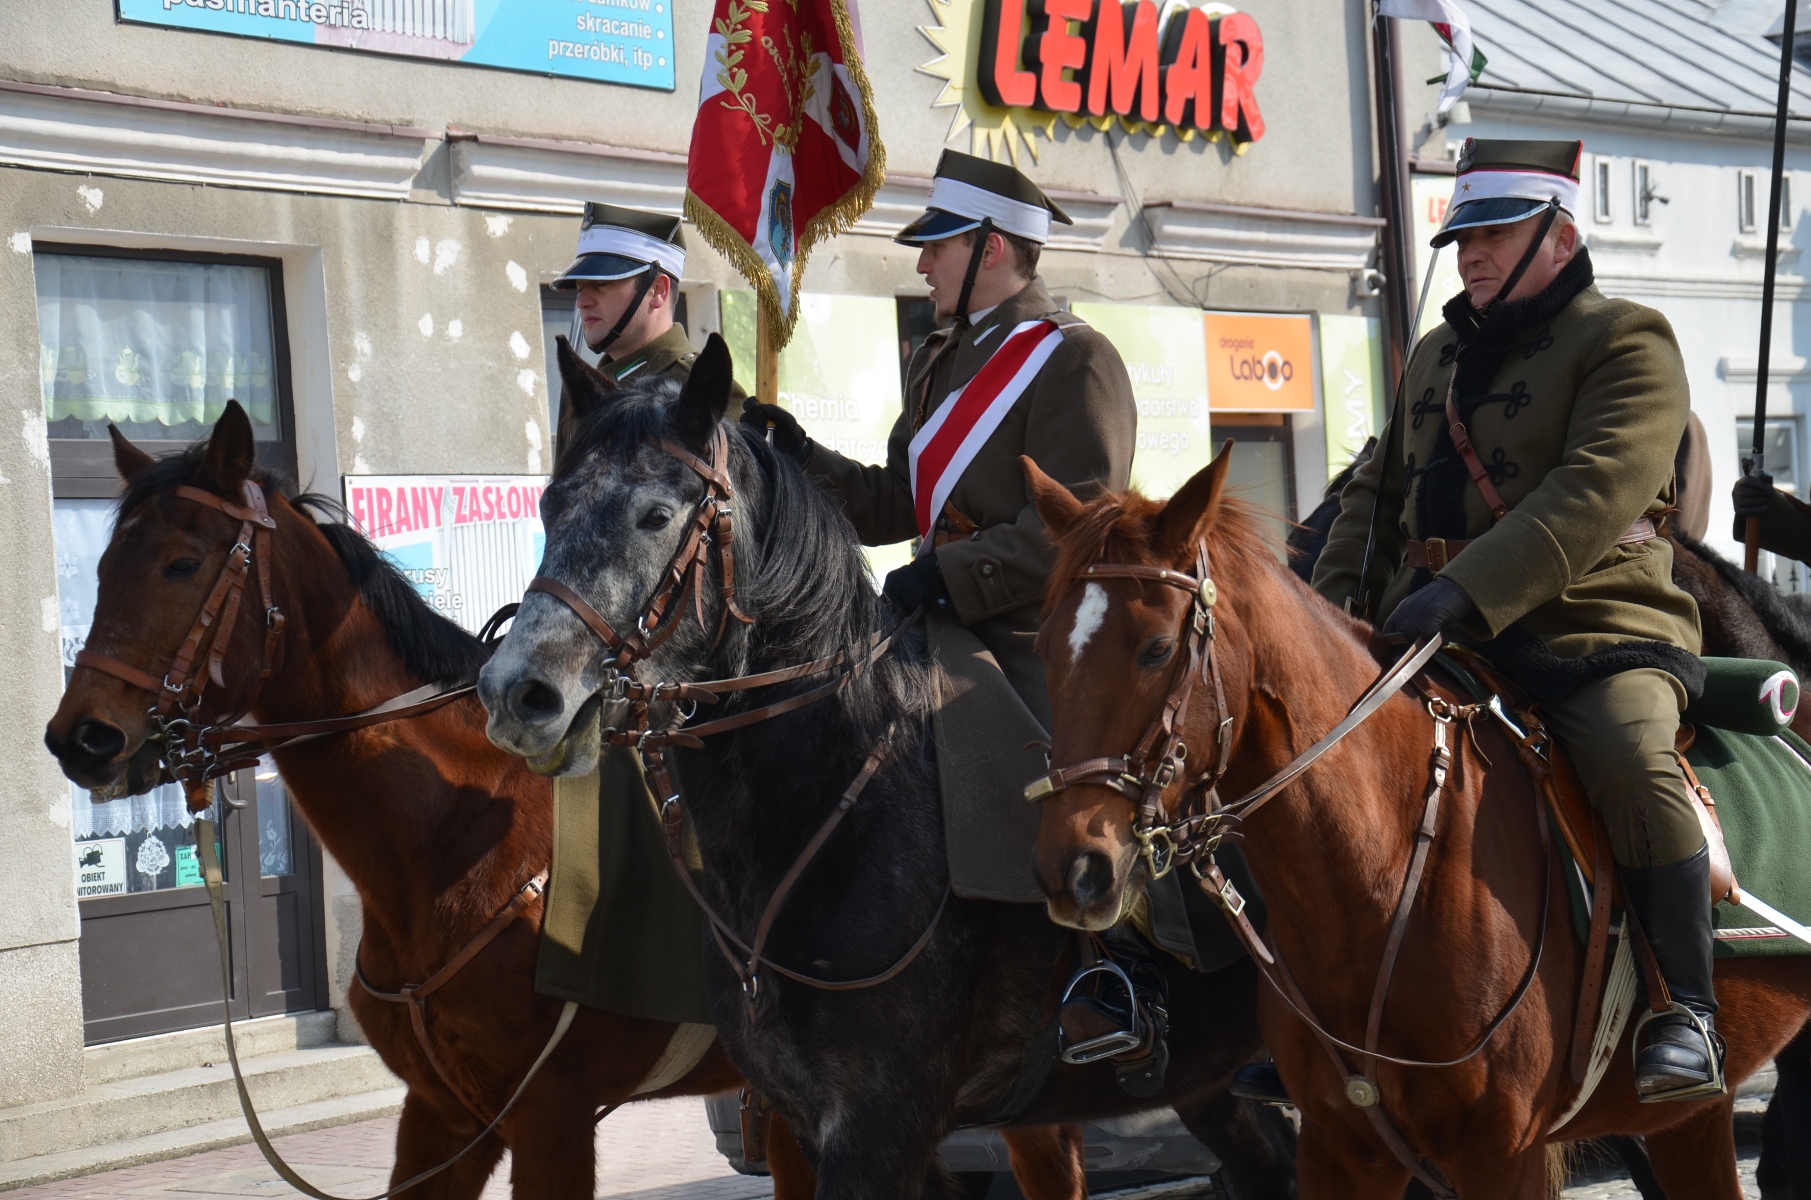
x: 621, y: 933
x: 1523, y: 491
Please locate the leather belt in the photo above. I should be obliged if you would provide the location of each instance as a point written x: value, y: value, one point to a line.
x: 1435, y: 553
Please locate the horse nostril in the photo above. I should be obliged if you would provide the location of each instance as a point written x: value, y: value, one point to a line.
x: 1090, y: 878
x: 533, y: 702
x: 97, y: 740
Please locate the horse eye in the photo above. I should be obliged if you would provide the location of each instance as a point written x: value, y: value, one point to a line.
x: 1157, y: 653
x: 656, y: 518
x: 182, y: 568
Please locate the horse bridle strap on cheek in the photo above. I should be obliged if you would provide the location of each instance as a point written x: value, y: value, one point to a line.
x: 178, y: 694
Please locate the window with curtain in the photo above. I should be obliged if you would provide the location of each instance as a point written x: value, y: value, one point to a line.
x: 154, y: 346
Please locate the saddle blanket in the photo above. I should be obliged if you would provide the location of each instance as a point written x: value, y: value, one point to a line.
x: 1762, y: 786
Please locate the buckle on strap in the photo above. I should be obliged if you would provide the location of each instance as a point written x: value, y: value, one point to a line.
x: 1436, y: 554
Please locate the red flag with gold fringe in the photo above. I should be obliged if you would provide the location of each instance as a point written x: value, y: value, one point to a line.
x: 785, y: 148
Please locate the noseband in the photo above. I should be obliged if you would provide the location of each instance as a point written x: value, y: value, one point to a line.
x: 1158, y: 761
x: 180, y: 690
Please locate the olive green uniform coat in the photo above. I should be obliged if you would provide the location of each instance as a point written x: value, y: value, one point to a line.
x: 1575, y: 404
x: 1078, y: 421
x: 1785, y: 527
x: 621, y: 931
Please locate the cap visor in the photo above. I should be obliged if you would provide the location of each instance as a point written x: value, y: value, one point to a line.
x: 1500, y: 210
x: 934, y: 226
x: 599, y: 268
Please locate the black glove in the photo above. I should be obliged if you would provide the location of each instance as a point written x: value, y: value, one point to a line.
x: 918, y: 584
x: 788, y: 435
x: 1431, y: 611
x: 1752, y: 494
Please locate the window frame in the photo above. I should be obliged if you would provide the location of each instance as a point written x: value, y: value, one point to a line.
x: 1641, y: 171
x: 1748, y: 200
x: 1603, y: 208
x: 82, y: 468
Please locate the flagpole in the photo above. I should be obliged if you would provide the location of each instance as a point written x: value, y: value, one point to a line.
x: 1751, y: 541
x: 767, y: 359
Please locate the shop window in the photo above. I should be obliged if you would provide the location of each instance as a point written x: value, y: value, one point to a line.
x: 1600, y: 185
x: 1263, y: 467
x: 156, y: 344
x: 917, y: 321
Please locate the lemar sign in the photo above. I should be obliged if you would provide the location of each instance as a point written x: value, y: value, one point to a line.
x: 1187, y: 68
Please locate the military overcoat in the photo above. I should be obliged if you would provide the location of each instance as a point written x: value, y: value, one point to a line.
x: 1077, y: 420
x: 1575, y: 404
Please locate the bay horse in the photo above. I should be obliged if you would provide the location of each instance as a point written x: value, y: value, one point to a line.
x: 1330, y: 854
x: 436, y: 827
x: 870, y: 1079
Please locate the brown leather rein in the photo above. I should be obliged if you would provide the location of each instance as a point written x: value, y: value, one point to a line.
x: 1191, y: 836
x: 711, y: 525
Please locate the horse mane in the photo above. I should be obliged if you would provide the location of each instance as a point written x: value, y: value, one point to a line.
x: 430, y: 646
x: 1121, y: 527
x: 1787, y: 622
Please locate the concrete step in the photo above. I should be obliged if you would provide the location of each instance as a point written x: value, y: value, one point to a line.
x: 141, y: 1106
x: 193, y: 1139
x: 205, y: 1047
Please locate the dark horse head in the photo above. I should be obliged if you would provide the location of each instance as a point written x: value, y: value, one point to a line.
x: 618, y: 509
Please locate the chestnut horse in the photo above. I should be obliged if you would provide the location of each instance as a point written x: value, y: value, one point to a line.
x: 436, y: 827
x: 1330, y: 853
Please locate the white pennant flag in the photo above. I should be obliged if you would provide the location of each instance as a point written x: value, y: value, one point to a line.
x: 1454, y: 29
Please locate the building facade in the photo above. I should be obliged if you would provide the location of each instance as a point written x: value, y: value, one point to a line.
x: 345, y: 216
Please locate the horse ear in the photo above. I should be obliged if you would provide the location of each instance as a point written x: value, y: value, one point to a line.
x: 705, y: 397
x: 1055, y: 503
x: 231, y: 453
x: 583, y: 387
x: 1192, y: 508
x: 128, y: 459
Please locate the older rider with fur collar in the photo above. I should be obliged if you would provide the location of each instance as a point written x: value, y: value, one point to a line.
x: 1524, y: 488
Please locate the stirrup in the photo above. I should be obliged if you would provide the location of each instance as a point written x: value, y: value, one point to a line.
x: 1714, y: 1051
x: 1106, y: 1045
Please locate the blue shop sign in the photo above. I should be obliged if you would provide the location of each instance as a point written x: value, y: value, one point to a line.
x: 612, y: 41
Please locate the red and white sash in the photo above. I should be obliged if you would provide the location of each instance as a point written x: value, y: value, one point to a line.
x: 949, y: 441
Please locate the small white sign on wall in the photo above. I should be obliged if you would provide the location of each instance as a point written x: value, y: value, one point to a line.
x: 100, y: 867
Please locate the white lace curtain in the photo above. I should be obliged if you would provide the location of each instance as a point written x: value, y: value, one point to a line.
x: 149, y: 343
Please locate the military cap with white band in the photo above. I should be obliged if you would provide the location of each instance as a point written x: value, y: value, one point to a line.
x: 967, y: 190
x: 1501, y: 181
x: 621, y: 243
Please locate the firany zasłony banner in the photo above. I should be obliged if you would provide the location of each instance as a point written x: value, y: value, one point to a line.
x: 612, y: 41
x: 469, y: 543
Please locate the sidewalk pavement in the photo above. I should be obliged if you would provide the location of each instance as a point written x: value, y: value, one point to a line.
x: 660, y: 1150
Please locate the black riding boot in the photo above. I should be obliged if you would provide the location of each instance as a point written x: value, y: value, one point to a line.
x: 1674, y: 1059
x: 1261, y: 1082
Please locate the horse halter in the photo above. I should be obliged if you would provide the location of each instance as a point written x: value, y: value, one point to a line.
x: 178, y: 694
x: 1159, y: 759
x: 711, y: 524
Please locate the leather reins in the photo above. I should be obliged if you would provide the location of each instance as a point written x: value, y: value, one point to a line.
x: 711, y: 525
x: 1192, y: 834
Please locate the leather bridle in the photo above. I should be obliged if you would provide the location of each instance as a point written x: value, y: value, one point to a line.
x: 1191, y: 832
x: 178, y: 693
x: 1159, y: 759
x: 657, y: 620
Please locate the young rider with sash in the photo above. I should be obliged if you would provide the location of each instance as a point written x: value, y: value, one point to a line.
x: 1010, y: 375
x: 626, y: 274
x: 1522, y: 490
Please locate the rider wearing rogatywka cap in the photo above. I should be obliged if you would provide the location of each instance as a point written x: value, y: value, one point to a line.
x: 984, y: 555
x: 627, y: 274
x: 1541, y: 545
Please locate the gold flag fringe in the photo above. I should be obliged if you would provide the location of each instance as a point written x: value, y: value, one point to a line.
x: 837, y: 218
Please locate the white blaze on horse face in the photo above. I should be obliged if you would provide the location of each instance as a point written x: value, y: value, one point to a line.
x: 1089, y: 615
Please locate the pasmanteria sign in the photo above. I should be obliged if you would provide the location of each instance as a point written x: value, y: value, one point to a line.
x: 612, y: 41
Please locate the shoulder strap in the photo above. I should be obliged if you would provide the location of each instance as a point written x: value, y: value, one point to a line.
x: 1462, y: 442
